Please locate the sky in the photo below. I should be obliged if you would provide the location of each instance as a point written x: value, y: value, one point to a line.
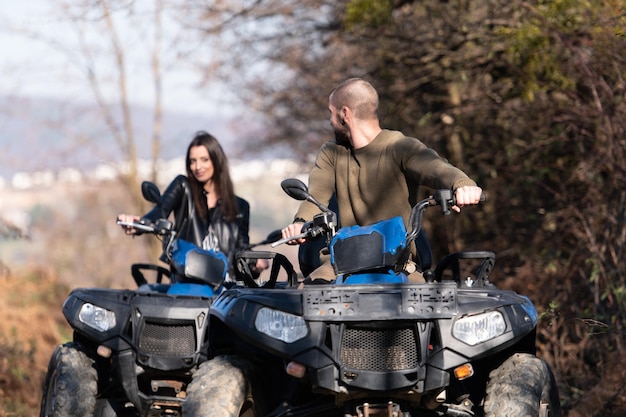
x: 40, y: 55
x: 41, y: 58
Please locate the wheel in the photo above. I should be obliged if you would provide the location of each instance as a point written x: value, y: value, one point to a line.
x: 71, y: 384
x: 523, y: 386
x: 221, y: 388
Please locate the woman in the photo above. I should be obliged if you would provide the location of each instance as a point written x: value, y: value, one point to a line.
x: 206, y: 210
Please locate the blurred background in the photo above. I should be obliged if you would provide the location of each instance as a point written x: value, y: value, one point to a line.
x: 527, y: 97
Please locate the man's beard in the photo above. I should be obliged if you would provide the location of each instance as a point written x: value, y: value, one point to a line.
x: 342, y: 137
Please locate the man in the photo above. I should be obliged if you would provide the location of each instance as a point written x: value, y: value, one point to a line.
x: 374, y: 173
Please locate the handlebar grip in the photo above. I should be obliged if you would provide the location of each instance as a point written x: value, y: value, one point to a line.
x: 447, y: 198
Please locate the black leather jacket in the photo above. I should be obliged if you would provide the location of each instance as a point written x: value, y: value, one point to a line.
x: 231, y: 236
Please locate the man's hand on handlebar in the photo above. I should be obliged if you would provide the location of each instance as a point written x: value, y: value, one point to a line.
x: 294, y: 229
x: 466, y: 196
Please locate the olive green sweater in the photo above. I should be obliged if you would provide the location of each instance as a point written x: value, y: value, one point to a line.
x: 378, y: 181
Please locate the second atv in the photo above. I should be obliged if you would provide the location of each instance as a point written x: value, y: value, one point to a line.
x: 135, y: 352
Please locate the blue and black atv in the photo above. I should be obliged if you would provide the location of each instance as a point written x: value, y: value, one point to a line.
x: 374, y: 343
x: 135, y: 352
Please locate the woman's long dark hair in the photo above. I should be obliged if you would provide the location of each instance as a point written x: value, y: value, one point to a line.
x: 221, y: 178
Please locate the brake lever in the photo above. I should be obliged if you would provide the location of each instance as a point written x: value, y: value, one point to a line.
x: 137, y: 226
x: 289, y: 239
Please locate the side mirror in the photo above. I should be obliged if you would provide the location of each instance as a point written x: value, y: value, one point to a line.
x: 150, y: 192
x: 295, y: 189
x: 298, y: 190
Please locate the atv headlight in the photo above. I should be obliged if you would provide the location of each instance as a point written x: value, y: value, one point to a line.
x: 479, y: 328
x: 96, y: 317
x: 280, y: 325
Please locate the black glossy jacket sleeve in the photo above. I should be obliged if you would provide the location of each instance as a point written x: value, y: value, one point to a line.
x: 177, y: 199
x: 172, y: 200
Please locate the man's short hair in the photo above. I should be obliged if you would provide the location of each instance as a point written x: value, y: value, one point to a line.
x: 358, y: 95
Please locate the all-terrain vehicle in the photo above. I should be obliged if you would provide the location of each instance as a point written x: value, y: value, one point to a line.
x: 373, y: 343
x: 134, y: 352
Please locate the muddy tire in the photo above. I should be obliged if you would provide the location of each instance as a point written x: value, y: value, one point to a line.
x: 221, y: 388
x: 523, y: 386
x: 71, y: 384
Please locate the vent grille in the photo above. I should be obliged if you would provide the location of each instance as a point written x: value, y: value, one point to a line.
x: 379, y: 350
x: 168, y: 339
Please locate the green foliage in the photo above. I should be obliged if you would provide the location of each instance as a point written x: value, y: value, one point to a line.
x: 532, y: 53
x: 551, y: 313
x: 567, y: 15
x: 367, y: 14
x: 554, y: 40
x: 542, y: 44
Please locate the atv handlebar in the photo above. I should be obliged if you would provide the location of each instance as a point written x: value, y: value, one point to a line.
x: 138, y: 226
x: 326, y: 222
x: 161, y: 227
x: 444, y: 198
x: 289, y: 239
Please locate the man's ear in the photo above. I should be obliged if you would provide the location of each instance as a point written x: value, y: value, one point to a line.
x: 346, y: 114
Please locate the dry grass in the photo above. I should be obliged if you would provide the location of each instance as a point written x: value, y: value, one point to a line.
x: 32, y: 325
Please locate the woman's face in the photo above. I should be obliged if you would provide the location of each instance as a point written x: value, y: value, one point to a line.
x: 200, y: 163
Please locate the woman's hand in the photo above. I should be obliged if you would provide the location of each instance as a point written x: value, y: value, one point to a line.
x: 128, y: 218
x: 261, y: 264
